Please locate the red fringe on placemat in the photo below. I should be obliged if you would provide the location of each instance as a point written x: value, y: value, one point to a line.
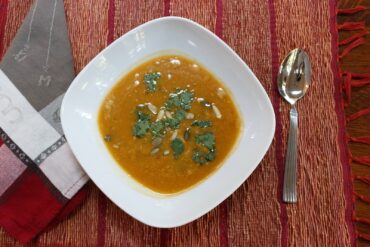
x: 363, y: 160
x: 350, y: 26
x: 364, y: 179
x: 350, y: 10
x: 351, y: 80
x: 361, y: 139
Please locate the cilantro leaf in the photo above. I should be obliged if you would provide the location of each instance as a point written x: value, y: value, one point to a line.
x: 140, y: 128
x: 173, y: 123
x: 203, y: 158
x: 181, y: 98
x: 141, y: 116
x: 207, y: 139
x: 202, y: 123
x: 187, y: 98
x: 173, y: 101
x: 177, y: 147
x: 157, y: 128
x: 197, y: 157
x: 151, y: 81
x: 211, y: 155
x: 179, y: 115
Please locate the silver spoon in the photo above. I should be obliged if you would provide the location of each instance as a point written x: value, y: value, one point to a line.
x: 293, y: 80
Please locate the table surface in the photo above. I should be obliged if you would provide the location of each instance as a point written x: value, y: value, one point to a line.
x: 359, y: 61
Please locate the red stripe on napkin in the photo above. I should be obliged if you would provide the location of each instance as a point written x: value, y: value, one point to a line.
x: 68, y: 208
x: 21, y: 213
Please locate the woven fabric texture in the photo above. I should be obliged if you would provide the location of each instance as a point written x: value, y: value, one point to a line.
x: 262, y: 32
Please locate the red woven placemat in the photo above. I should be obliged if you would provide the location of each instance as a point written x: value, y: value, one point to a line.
x: 261, y: 32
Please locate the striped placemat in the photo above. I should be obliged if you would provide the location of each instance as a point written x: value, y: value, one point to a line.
x: 262, y: 32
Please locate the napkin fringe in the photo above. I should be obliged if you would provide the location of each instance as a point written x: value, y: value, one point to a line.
x: 355, y: 80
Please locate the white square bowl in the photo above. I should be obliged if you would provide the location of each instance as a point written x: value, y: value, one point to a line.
x: 83, y: 99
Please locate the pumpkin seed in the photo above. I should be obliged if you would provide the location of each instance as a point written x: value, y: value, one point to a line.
x: 154, y: 151
x: 220, y: 92
x: 166, y: 152
x: 206, y: 103
x: 174, y: 135
x: 189, y: 115
x: 152, y: 108
x: 168, y: 114
x: 160, y: 115
x: 156, y: 142
x: 187, y: 134
x: 216, y: 111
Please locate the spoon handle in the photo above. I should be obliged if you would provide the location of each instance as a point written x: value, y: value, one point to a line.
x: 290, y: 174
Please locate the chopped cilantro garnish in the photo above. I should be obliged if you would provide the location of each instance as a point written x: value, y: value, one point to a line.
x: 142, y: 125
x: 157, y: 128
x: 181, y: 98
x: 211, y: 155
x: 202, y: 158
x: 197, y: 157
x: 177, y: 147
x: 186, y: 99
x: 179, y: 115
x: 173, y: 123
x: 141, y: 116
x: 207, y: 139
x: 178, y: 105
x: 173, y: 101
x: 202, y: 123
x: 151, y: 81
x: 140, y: 128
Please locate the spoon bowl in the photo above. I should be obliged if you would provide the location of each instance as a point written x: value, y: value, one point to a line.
x: 294, y: 75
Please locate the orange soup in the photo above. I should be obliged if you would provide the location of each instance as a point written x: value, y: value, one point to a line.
x: 169, y: 123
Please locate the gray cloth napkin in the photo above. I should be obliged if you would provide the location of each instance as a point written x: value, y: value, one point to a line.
x: 34, y: 74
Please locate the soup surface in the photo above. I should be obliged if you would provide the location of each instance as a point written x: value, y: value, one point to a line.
x: 169, y: 123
